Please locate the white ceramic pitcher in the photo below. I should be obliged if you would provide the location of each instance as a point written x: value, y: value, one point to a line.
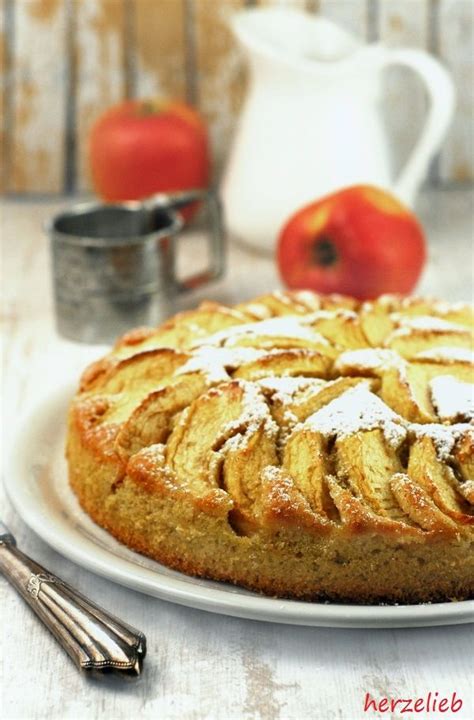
x: 311, y: 122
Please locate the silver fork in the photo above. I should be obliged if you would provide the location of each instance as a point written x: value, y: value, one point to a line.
x: 96, y: 640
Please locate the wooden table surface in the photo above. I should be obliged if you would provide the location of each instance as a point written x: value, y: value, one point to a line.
x: 201, y: 665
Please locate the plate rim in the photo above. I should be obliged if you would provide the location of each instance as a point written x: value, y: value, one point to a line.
x: 180, y: 590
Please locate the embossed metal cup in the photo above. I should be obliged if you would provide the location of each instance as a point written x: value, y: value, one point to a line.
x: 113, y: 265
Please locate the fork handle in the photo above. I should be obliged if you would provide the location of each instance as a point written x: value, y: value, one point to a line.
x: 95, y: 639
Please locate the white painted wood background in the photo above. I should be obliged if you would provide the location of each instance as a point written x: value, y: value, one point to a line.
x: 63, y: 61
x: 202, y: 666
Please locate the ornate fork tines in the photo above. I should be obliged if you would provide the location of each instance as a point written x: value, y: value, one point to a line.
x: 96, y: 640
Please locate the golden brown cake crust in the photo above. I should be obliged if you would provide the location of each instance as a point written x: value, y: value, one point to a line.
x: 299, y: 445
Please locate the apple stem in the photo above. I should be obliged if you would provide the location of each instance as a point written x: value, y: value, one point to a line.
x: 149, y: 107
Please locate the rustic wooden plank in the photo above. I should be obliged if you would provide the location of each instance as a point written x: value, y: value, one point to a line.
x: 160, y: 52
x: 352, y: 15
x: 220, y: 83
x: 403, y: 23
x: 296, y: 4
x: 100, y: 69
x: 36, y: 149
x: 456, y: 49
x: 3, y: 94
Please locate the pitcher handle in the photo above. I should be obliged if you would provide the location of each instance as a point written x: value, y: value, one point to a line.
x: 441, y: 93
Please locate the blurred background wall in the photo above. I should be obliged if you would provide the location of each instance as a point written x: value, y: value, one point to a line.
x: 64, y: 61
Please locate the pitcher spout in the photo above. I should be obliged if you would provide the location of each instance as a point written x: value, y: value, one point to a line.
x: 285, y: 36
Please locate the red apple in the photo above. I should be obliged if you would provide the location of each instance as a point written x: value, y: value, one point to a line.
x: 141, y: 147
x: 360, y: 241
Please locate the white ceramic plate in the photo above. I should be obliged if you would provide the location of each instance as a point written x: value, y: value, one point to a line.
x: 36, y: 482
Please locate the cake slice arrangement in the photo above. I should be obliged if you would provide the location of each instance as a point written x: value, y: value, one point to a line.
x: 304, y: 446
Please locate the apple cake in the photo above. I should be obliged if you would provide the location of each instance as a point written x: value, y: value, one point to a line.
x: 303, y: 446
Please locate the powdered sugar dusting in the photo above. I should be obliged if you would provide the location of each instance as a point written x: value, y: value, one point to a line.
x: 282, y: 297
x: 368, y: 359
x: 358, y: 409
x: 425, y: 323
x: 214, y: 361
x: 288, y: 326
x: 255, y: 414
x: 443, y: 436
x: 285, y: 388
x: 452, y: 398
x: 447, y: 354
x: 308, y: 298
x: 444, y: 308
x: 158, y: 452
x: 259, y: 310
x: 386, y: 300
